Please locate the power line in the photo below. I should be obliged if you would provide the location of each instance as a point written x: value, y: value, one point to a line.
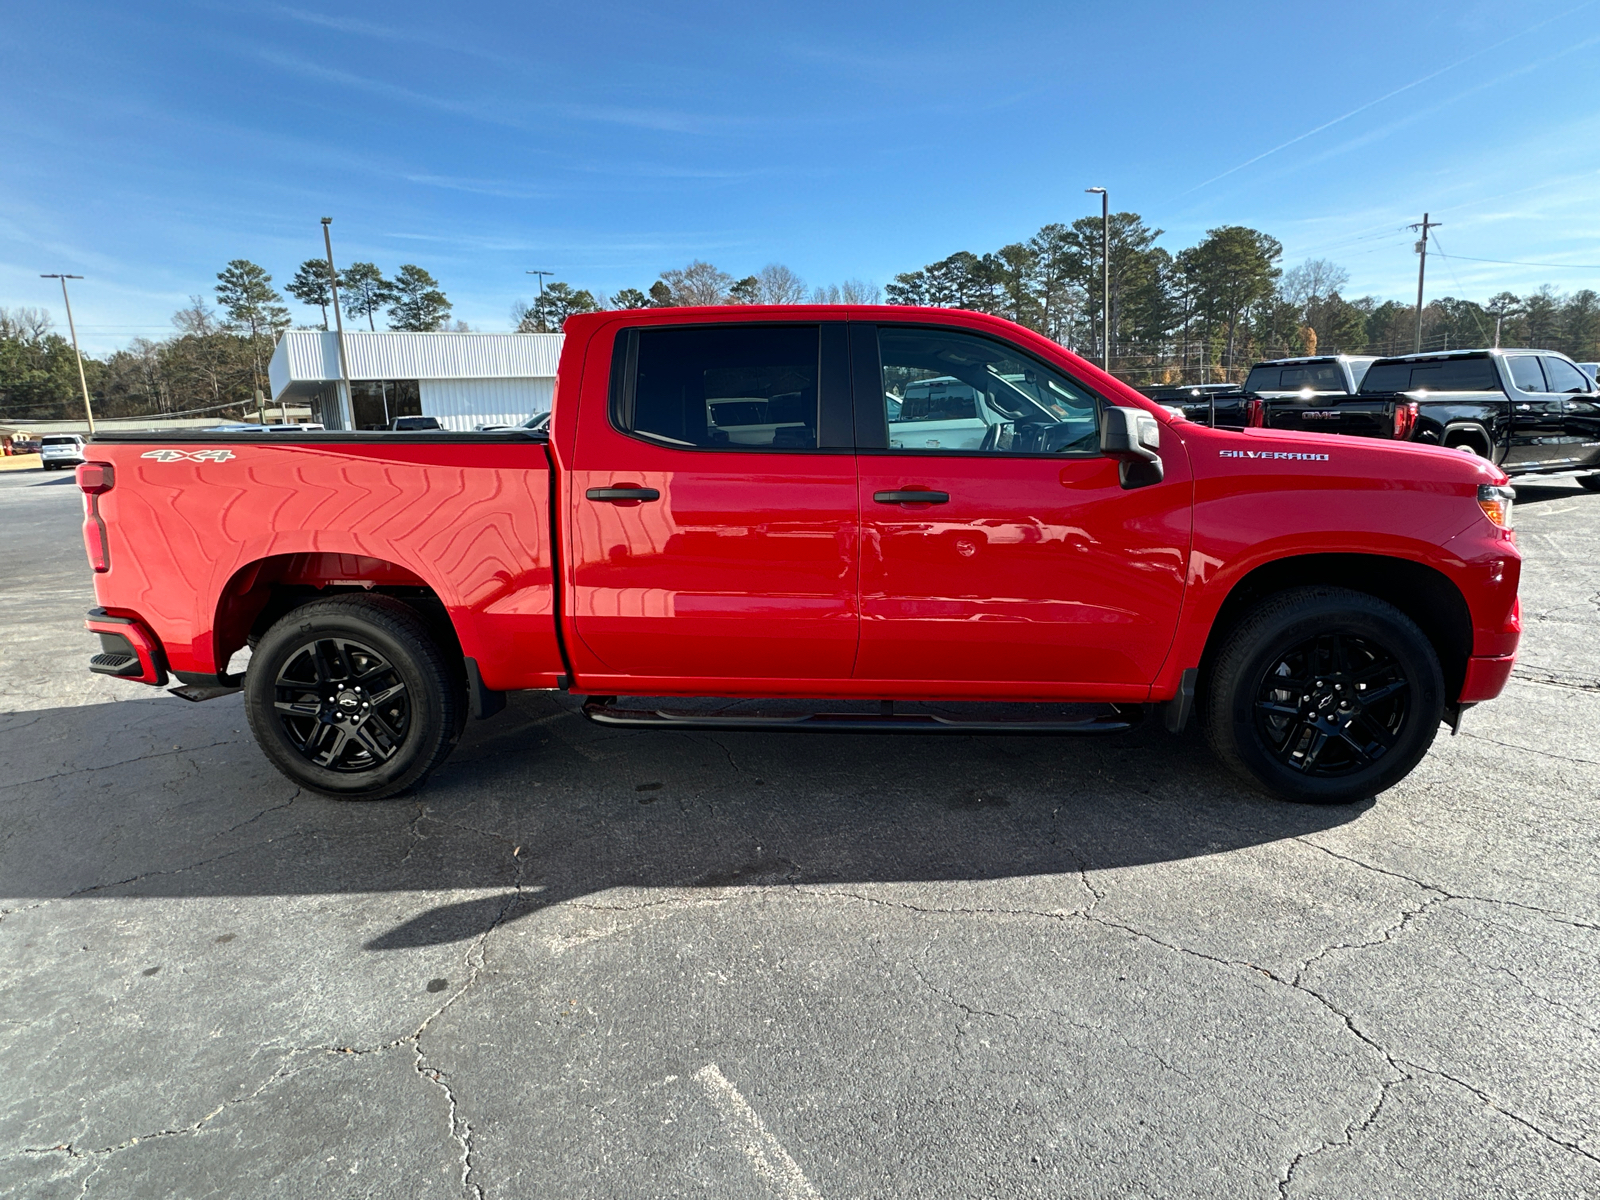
x: 1507, y: 262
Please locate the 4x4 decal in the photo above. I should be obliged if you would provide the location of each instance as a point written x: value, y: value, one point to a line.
x: 188, y: 455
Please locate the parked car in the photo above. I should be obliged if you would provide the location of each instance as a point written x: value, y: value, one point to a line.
x: 538, y: 421
x: 1325, y: 604
x: 1528, y: 411
x: 60, y: 450
x: 414, y: 424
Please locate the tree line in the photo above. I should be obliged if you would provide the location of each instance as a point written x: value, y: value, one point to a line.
x: 215, y: 361
x: 1202, y: 314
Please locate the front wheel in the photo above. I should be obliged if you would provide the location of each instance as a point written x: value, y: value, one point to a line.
x: 351, y: 697
x: 1325, y: 696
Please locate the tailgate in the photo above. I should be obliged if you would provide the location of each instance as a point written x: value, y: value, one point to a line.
x: 1354, y: 415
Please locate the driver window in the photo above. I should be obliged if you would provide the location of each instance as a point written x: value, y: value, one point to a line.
x: 949, y: 392
x: 1525, y: 373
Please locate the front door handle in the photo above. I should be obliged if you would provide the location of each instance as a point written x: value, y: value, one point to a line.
x: 911, y: 497
x: 618, y: 495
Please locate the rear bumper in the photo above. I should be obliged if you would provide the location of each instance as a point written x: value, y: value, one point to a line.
x: 127, y: 649
x: 1486, y: 678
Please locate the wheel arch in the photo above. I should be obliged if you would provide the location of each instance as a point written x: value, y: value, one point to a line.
x: 260, y: 593
x: 1424, y: 593
x: 1458, y: 432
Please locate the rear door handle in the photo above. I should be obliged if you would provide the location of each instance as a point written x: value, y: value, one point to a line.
x: 911, y: 497
x: 617, y: 495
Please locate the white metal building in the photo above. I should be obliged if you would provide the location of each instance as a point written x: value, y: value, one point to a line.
x: 464, y: 379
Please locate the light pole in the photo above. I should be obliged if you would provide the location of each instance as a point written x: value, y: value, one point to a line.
x: 541, y: 275
x: 1105, y: 277
x: 348, y: 404
x: 88, y: 409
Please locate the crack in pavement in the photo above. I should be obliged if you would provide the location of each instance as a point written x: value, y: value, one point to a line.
x: 1563, y: 918
x: 16, y: 783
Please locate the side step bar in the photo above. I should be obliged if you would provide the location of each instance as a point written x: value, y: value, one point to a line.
x: 603, y: 712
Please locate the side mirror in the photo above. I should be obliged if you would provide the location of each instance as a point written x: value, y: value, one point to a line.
x: 1132, y: 437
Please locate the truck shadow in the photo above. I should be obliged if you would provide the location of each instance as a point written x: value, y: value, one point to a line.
x: 156, y: 798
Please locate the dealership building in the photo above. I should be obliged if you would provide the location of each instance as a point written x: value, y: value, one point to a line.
x: 464, y: 379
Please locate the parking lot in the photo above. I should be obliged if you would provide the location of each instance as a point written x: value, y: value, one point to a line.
x: 592, y: 963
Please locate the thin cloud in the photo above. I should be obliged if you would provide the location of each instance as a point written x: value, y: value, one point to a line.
x: 1357, y: 111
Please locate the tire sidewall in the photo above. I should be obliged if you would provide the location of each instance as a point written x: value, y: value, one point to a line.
x: 427, y: 718
x: 1392, y: 631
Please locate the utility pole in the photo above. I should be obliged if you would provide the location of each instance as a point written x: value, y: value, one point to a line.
x: 1105, y: 277
x: 1422, y: 268
x: 88, y: 409
x: 348, y: 404
x: 541, y: 275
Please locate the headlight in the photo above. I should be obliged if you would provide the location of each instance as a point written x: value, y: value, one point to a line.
x: 1496, y: 503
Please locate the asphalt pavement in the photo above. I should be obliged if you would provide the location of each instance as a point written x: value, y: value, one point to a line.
x: 595, y: 963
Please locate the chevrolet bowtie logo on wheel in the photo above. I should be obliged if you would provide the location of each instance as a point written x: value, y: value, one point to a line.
x: 188, y: 455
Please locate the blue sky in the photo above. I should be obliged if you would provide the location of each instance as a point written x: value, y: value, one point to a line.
x: 144, y: 145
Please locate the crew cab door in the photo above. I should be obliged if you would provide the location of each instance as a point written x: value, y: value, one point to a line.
x: 1580, y: 405
x: 1538, y: 416
x: 1028, y: 562
x: 713, y: 507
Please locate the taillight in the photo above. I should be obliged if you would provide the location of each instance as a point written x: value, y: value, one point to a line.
x: 1405, y: 419
x: 1255, y: 413
x: 1496, y: 503
x: 96, y: 479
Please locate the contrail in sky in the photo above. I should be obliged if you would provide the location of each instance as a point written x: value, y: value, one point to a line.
x: 1387, y: 96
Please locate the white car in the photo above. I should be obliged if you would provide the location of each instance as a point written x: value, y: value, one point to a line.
x: 60, y: 450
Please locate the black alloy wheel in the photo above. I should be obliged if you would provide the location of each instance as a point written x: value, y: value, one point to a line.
x: 342, y: 705
x: 1332, y: 705
x: 1324, y: 695
x: 352, y: 696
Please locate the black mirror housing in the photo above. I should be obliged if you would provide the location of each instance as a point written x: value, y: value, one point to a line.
x: 1132, y: 437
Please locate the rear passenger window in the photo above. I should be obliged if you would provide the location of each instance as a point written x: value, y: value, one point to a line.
x: 722, y: 388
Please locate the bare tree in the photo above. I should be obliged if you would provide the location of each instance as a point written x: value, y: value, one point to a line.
x: 698, y: 283
x: 858, y: 291
x: 828, y: 294
x: 777, y: 284
x: 24, y: 324
x: 1313, y: 280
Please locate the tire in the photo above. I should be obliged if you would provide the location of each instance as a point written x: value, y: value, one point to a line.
x: 1589, y: 483
x: 1332, y: 644
x: 392, y: 714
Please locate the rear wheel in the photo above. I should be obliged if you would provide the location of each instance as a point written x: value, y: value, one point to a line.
x: 353, y: 698
x: 1589, y: 483
x: 1325, y: 696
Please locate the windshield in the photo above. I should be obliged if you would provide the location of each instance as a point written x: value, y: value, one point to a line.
x: 1319, y: 377
x: 1448, y: 375
x: 59, y: 441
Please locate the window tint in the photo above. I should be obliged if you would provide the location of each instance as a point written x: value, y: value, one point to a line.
x: 726, y: 388
x: 1319, y: 377
x: 946, y: 391
x: 1525, y: 373
x: 1447, y: 375
x: 1564, y: 377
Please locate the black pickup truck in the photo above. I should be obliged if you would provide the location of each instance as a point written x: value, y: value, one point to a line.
x: 1527, y: 410
x: 1226, y: 405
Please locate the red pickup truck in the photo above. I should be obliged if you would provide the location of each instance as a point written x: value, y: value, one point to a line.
x: 856, y: 504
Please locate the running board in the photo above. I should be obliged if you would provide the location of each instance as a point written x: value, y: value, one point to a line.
x: 1115, y: 721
